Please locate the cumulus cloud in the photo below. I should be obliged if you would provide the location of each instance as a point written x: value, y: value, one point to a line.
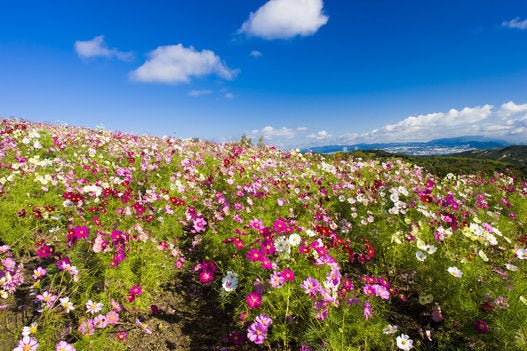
x: 321, y: 136
x: 196, y: 93
x: 96, y: 47
x: 510, y: 108
x: 173, y: 64
x: 284, y: 19
x: 229, y: 96
x: 428, y: 126
x: 515, y: 23
x: 509, y: 122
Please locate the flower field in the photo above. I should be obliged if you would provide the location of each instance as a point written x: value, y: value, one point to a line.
x: 99, y: 230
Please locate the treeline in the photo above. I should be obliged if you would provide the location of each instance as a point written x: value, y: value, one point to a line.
x: 443, y: 165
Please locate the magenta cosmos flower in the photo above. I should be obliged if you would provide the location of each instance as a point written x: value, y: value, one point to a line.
x: 135, y: 290
x: 253, y: 300
x: 481, y: 327
x: 288, y: 275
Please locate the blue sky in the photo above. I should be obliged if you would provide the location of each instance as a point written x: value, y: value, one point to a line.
x: 298, y: 72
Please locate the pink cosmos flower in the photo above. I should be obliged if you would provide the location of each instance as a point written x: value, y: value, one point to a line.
x: 93, y: 307
x: 367, y: 309
x: 115, y: 305
x: 100, y: 321
x: 64, y: 346
x: 39, y: 273
x: 276, y: 280
x: 143, y: 326
x: 264, y: 319
x: 368, y: 290
x: 87, y: 327
x: 253, y: 300
x: 381, y: 291
x: 27, y: 343
x: 48, y: 298
x: 257, y: 333
x: 121, y: 336
x: 112, y: 317
x: 311, y: 286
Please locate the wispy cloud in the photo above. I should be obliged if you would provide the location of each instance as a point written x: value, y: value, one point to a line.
x: 196, y: 93
x: 255, y: 53
x: 284, y: 19
x: 96, y: 47
x: 174, y: 64
x: 515, y: 23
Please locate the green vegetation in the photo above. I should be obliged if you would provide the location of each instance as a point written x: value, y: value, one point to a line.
x: 510, y: 160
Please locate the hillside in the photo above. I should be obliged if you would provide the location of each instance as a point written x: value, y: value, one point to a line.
x: 511, y: 159
x: 515, y: 154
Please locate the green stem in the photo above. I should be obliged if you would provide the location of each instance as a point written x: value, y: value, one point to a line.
x: 286, y: 315
x: 342, y: 329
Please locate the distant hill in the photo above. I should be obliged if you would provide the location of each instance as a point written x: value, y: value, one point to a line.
x: 515, y: 154
x: 510, y: 160
x: 434, y: 147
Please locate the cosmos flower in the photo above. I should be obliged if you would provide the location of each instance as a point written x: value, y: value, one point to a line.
x: 64, y: 346
x: 390, y: 329
x: 404, y: 342
x: 93, y: 307
x: 230, y: 281
x: 253, y: 300
x: 454, y: 271
x: 27, y: 343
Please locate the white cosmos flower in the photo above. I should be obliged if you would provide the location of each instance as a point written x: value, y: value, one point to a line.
x: 455, y: 272
x: 294, y: 239
x: 230, y: 281
x: 404, y: 342
x: 420, y: 255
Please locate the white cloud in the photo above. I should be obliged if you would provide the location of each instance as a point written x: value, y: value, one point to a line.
x: 283, y: 19
x: 270, y: 133
x: 173, y: 64
x: 229, y: 96
x: 96, y: 47
x: 510, y: 108
x: 515, y: 23
x: 196, y: 93
x: 508, y: 122
x: 255, y: 53
x: 321, y: 136
x: 423, y: 127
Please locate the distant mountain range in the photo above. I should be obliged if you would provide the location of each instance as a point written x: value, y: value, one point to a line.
x: 442, y: 146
